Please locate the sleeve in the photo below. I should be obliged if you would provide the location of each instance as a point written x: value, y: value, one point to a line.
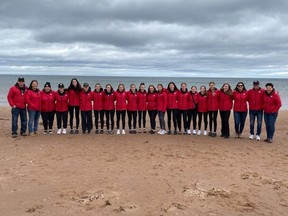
x: 10, y: 97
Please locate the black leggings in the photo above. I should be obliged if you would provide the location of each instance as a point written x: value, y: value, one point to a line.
x: 48, y: 119
x: 61, y: 118
x: 192, y: 115
x: 132, y: 114
x: 86, y: 118
x: 200, y: 114
x: 119, y: 114
x: 152, y: 116
x: 142, y: 116
x: 213, y: 120
x: 184, y: 114
x: 225, y: 130
x: 170, y: 113
x: 109, y: 114
x: 71, y: 114
x: 98, y: 113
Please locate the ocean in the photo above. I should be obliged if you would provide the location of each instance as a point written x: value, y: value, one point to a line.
x: 9, y: 80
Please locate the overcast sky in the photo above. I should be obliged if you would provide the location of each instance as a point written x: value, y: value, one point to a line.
x: 219, y: 38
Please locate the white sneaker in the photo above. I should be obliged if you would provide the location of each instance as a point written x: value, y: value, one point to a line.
x: 205, y: 133
x: 118, y: 131
x: 194, y: 132
x: 163, y: 132
x: 59, y: 131
x: 123, y: 131
x: 258, y: 138
x: 199, y: 132
x: 64, y: 131
x: 251, y: 137
x: 159, y: 132
x: 189, y: 132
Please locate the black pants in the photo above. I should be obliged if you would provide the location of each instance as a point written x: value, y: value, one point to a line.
x: 121, y: 114
x: 213, y: 120
x: 48, y: 119
x: 86, y: 119
x: 192, y: 115
x: 152, y: 116
x: 142, y: 116
x: 182, y: 113
x: 97, y: 114
x: 132, y: 114
x: 225, y: 115
x: 61, y: 118
x: 109, y: 114
x: 205, y: 115
x: 172, y: 113
x: 71, y: 114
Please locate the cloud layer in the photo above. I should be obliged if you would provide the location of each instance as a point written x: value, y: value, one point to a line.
x: 236, y: 38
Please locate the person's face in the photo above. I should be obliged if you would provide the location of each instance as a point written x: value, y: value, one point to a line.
x: 183, y: 87
x: 86, y: 88
x: 108, y: 88
x: 256, y: 87
x: 151, y: 89
x: 159, y: 87
x: 142, y: 88
x: 225, y: 87
x: 34, y: 85
x: 47, y: 89
x: 61, y: 89
x: 202, y: 89
x: 269, y: 89
x: 171, y: 87
x: 21, y: 84
x: 133, y: 88
x: 97, y: 87
x: 74, y: 83
x: 240, y: 86
x: 121, y: 88
x: 212, y: 86
x: 193, y: 89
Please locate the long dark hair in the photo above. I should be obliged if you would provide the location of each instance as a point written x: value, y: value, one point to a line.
x: 236, y: 89
x: 77, y: 88
x: 153, y: 88
x: 175, y: 87
x: 30, y: 86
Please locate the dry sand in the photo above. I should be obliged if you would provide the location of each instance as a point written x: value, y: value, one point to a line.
x: 142, y: 174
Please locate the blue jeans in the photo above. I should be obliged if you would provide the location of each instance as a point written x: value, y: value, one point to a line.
x: 239, y: 120
x: 253, y: 115
x: 161, y: 120
x: 23, y: 118
x: 270, y: 119
x: 33, y: 120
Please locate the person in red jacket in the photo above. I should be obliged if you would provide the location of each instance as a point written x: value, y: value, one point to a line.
x: 184, y: 101
x: 212, y: 107
x: 33, y: 99
x: 254, y: 99
x: 142, y: 108
x: 132, y: 99
x: 152, y: 107
x: 98, y: 107
x: 61, y: 108
x: 109, y: 107
x: 271, y: 105
x: 202, y: 110
x: 74, y: 91
x: 86, y: 98
x: 225, y: 106
x: 192, y: 112
x: 172, y: 92
x: 121, y: 107
x: 240, y: 108
x: 161, y: 107
x: 48, y: 108
x: 16, y: 99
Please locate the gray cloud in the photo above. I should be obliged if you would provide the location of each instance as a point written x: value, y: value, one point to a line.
x: 221, y: 38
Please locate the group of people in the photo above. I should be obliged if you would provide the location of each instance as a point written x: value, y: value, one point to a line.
x: 192, y: 107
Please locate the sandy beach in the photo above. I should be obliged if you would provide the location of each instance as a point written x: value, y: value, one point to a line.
x: 143, y: 174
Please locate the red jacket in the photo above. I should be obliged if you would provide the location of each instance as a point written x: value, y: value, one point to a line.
x: 86, y: 99
x: 33, y: 100
x: 98, y: 100
x: 61, y: 101
x: 121, y: 100
x: 152, y: 101
x: 254, y: 99
x: 162, y: 101
x: 48, y: 101
x: 213, y: 100
x: 272, y: 102
x: 240, y: 101
x: 202, y: 103
x: 194, y: 100
x: 74, y: 97
x: 184, y: 100
x: 17, y: 97
x: 132, y: 99
x: 172, y: 99
x: 109, y: 99
x: 225, y: 101
x: 141, y: 103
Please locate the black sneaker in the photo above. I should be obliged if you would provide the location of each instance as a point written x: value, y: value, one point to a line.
x: 83, y: 132
x: 152, y: 132
x: 101, y: 132
x: 210, y: 133
x: 71, y: 131
x: 214, y: 134
x: 14, y: 135
x: 175, y: 133
x: 76, y: 131
x: 134, y: 132
x: 169, y: 132
x: 112, y: 132
x: 23, y: 134
x: 130, y: 132
x: 97, y: 132
x: 270, y: 141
